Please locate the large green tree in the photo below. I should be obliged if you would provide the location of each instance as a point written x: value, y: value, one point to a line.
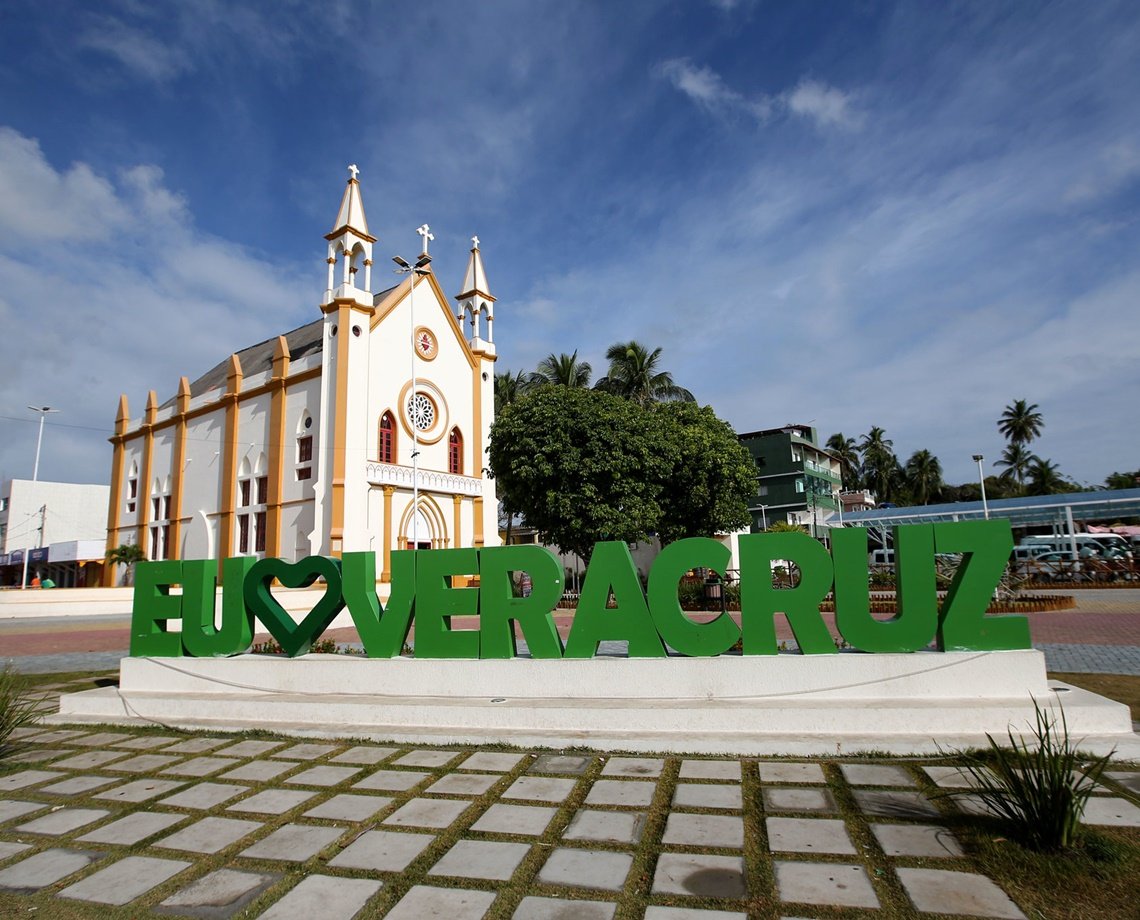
x: 635, y: 374
x: 923, y: 476
x: 713, y: 475
x: 582, y: 466
x: 1020, y: 422
x: 1045, y: 478
x: 1123, y: 480
x: 1017, y: 459
x: 847, y: 453
x: 562, y: 370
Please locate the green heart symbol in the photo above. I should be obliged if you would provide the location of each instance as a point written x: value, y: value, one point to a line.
x: 294, y: 638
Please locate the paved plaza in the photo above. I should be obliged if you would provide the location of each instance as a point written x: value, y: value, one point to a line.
x: 168, y: 823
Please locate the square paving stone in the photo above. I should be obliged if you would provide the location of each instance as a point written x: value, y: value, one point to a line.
x: 391, y: 780
x: 633, y: 766
x: 874, y: 774
x: 140, y: 790
x: 305, y: 751
x: 249, y: 748
x: 323, y: 776
x: 630, y: 793
x: 273, y: 801
x: 485, y: 859
x: 809, y: 835
x: 382, y: 851
x: 536, y: 908
x: 491, y: 762
x: 123, y: 881
x: 210, y: 835
x: 463, y: 784
x: 68, y: 735
x: 78, y: 785
x: 700, y: 875
x: 425, y: 901
x: 143, y: 763
x: 1130, y: 780
x: 916, y: 840
x: 703, y: 795
x: 293, y: 842
x: 540, y: 789
x: 694, y: 913
x: 704, y: 830
x: 8, y: 850
x: 427, y: 813
x: 901, y: 804
x: 39, y: 755
x: 586, y: 869
x: 200, y: 766
x: 100, y: 739
x: 943, y: 892
x: 45, y: 868
x: 259, y: 771
x: 89, y: 760
x: 831, y: 884
x: 424, y: 758
x: 711, y: 769
x: 326, y: 897
x: 219, y: 895
x: 26, y: 778
x: 196, y: 745
x: 951, y: 777
x: 808, y: 800
x: 365, y: 755
x: 774, y: 772
x: 561, y: 763
x: 606, y: 826
x: 972, y: 804
x: 63, y: 821
x: 1111, y: 811
x: 348, y: 807
x: 133, y: 828
x: 11, y: 809
x: 204, y: 796
x: 146, y: 742
x: 528, y: 820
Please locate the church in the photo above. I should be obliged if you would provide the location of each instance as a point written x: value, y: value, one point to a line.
x: 364, y: 430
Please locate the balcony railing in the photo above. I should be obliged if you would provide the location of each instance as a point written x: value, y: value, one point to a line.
x: 392, y: 474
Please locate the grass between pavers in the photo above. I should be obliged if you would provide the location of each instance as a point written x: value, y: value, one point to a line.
x: 1098, y: 880
x: 1124, y: 688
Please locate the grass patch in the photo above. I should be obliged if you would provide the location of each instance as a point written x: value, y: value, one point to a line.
x: 1124, y: 688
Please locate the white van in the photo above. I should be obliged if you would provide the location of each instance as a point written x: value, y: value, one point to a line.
x: 1106, y: 545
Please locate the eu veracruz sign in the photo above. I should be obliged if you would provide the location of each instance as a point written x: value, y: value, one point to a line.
x: 649, y: 620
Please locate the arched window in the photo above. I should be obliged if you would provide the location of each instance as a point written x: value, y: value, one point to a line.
x: 387, y: 440
x: 455, y: 452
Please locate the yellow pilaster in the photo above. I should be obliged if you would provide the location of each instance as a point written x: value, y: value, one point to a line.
x: 118, y: 454
x: 478, y: 503
x: 389, y: 537
x: 276, y: 470
x: 176, y: 486
x: 145, y: 470
x: 457, y: 501
x: 229, y: 461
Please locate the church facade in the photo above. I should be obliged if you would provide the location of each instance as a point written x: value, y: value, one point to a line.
x: 363, y: 430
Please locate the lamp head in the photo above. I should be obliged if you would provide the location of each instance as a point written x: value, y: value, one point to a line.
x: 978, y: 458
x: 402, y: 262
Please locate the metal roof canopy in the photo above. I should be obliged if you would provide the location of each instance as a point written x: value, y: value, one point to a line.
x: 1027, y: 511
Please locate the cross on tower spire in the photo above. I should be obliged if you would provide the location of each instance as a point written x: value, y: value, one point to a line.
x: 353, y: 171
x: 427, y: 235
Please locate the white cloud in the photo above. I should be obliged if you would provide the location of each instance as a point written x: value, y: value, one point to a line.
x: 136, y: 50
x: 706, y: 88
x: 825, y: 104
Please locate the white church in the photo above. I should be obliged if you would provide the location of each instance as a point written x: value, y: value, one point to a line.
x: 364, y: 430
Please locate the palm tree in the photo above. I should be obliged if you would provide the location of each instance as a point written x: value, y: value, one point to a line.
x: 1045, y: 478
x: 562, y: 370
x: 923, y: 476
x: 508, y: 388
x: 845, y: 451
x: 1017, y: 459
x: 1020, y: 422
x: 127, y: 554
x: 634, y: 374
x: 878, y: 461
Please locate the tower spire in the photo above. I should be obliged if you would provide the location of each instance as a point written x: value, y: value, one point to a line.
x: 476, y: 299
x: 350, y: 242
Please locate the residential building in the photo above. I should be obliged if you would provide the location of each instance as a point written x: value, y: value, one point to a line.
x: 60, y: 526
x: 797, y: 481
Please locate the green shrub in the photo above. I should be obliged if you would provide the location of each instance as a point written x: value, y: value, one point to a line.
x: 1037, y: 788
x: 17, y: 708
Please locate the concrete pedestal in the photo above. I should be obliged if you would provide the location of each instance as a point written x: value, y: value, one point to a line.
x: 784, y: 704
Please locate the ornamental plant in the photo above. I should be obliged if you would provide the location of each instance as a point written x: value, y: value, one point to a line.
x: 17, y: 708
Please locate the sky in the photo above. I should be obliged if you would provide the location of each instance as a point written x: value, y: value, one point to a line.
x: 848, y: 214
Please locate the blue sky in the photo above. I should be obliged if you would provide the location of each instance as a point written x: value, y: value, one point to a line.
x: 858, y: 213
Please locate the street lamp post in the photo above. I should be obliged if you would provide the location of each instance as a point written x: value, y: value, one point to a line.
x: 764, y: 515
x: 420, y: 268
x: 978, y: 458
x: 43, y: 411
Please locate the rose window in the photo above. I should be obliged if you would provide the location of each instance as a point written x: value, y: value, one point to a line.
x: 421, y: 411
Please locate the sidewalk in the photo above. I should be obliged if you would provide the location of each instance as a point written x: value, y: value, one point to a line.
x: 194, y: 825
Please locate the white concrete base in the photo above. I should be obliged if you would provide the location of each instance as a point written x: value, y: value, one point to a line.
x: 786, y: 704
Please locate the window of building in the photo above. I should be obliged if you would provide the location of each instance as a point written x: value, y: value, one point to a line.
x: 243, y: 493
x: 762, y: 491
x: 305, y: 472
x: 799, y: 485
x: 387, y: 438
x: 455, y: 452
x: 262, y: 490
x: 159, y: 525
x: 243, y: 533
x: 132, y: 488
x: 259, y: 528
x: 304, y: 457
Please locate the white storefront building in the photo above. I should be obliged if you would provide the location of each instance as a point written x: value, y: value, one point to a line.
x: 365, y: 429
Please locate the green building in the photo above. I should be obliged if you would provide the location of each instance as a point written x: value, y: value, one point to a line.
x: 797, y: 481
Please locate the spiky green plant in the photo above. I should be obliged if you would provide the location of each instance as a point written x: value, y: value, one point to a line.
x: 17, y: 708
x: 1037, y: 786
